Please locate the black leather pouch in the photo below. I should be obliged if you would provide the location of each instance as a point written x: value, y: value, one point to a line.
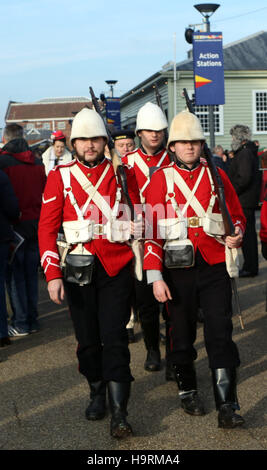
x: 179, y: 254
x: 79, y: 269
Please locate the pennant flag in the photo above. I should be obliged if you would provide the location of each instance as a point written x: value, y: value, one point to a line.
x: 200, y: 81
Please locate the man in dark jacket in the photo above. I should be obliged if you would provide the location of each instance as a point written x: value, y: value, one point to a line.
x: 245, y: 176
x: 27, y: 176
x: 9, y: 212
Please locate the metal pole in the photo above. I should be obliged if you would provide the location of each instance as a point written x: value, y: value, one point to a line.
x: 174, y: 76
x: 210, y: 107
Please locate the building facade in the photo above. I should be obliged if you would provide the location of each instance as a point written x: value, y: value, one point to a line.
x: 245, y: 74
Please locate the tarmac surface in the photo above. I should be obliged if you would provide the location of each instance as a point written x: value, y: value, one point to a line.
x: 43, y: 397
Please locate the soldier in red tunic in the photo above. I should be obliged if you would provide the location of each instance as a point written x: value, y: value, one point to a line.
x: 95, y: 270
x: 150, y: 125
x: 190, y: 270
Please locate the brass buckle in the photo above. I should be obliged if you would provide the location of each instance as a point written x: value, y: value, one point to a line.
x: 193, y: 221
x: 98, y: 229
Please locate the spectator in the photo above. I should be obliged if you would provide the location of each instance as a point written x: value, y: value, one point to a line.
x: 245, y: 176
x: 220, y: 158
x: 263, y: 229
x: 9, y: 210
x: 57, y: 153
x: 27, y: 176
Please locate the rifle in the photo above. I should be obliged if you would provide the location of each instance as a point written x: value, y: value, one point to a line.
x: 219, y: 188
x: 116, y: 158
x: 159, y: 103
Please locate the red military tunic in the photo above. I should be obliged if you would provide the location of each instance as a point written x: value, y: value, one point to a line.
x: 263, y: 219
x: 211, y: 250
x: 57, y: 209
x: 144, y: 170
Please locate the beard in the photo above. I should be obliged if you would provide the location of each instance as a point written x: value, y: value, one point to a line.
x: 98, y: 158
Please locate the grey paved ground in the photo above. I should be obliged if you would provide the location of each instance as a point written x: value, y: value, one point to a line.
x: 43, y: 397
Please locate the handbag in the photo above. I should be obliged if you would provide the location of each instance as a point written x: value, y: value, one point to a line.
x: 78, y: 269
x: 179, y: 254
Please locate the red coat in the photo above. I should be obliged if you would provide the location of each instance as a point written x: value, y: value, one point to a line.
x: 151, y: 162
x: 57, y: 209
x: 263, y: 226
x: 211, y: 250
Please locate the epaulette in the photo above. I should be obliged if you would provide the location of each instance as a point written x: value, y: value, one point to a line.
x: 64, y: 165
x: 203, y: 161
x: 130, y: 153
x: 163, y: 168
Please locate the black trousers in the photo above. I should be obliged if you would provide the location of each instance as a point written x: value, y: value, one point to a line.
x: 250, y: 243
x: 100, y: 312
x: 149, y: 310
x: 208, y: 287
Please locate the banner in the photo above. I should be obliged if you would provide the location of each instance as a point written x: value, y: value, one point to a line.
x: 113, y: 112
x: 208, y: 68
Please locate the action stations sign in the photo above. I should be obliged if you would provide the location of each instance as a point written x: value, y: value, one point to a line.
x: 113, y: 112
x: 208, y: 68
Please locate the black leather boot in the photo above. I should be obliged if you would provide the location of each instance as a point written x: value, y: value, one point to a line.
x: 152, y: 362
x: 186, y: 380
x: 97, y: 406
x: 151, y: 340
x: 119, y: 393
x: 224, y: 387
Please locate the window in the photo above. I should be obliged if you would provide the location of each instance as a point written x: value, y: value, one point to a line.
x: 260, y: 111
x: 61, y: 125
x: 46, y: 125
x: 202, y: 113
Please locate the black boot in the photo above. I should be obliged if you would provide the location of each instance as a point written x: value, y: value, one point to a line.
x: 119, y: 393
x: 152, y: 362
x: 151, y: 339
x: 224, y: 387
x: 186, y: 380
x: 97, y: 406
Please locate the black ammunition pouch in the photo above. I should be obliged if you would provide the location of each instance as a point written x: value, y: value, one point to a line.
x: 179, y: 254
x: 78, y: 269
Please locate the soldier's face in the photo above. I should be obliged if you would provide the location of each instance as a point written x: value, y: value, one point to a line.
x: 187, y: 151
x: 151, y: 140
x: 124, y: 145
x: 89, y: 150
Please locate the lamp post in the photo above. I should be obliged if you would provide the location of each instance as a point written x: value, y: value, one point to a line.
x: 111, y: 83
x: 206, y: 10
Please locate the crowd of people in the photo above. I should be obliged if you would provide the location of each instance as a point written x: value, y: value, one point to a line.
x: 64, y: 212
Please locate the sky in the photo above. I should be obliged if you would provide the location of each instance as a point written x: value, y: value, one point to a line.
x: 59, y: 48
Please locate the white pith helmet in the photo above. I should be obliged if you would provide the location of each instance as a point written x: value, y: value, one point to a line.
x: 150, y: 117
x: 87, y: 124
x: 185, y: 126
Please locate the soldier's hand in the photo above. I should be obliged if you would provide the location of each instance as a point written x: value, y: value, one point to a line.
x: 56, y: 290
x: 235, y: 241
x: 161, y: 291
x: 137, y: 227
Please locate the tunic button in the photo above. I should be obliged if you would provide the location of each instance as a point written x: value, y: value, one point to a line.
x: 196, y: 234
x: 191, y: 176
x: 89, y: 174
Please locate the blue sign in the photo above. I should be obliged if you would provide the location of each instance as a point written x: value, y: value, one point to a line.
x: 113, y: 112
x: 208, y: 68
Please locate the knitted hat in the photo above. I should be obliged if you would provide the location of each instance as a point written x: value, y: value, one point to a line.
x: 239, y: 133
